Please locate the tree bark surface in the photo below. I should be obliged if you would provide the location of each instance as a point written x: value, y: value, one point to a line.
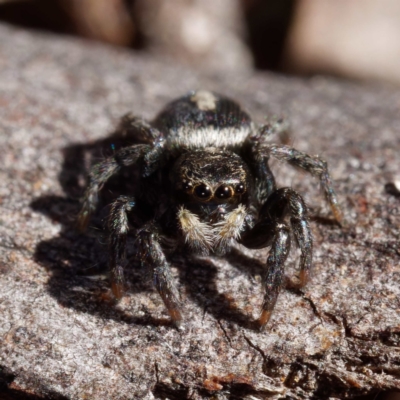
x: 60, y: 334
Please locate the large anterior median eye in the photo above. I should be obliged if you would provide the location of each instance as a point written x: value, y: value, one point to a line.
x: 202, y: 192
x: 224, y: 192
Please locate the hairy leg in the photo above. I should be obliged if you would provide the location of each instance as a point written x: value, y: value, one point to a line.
x: 315, y: 165
x: 287, y: 202
x: 138, y: 129
x: 275, y: 271
x: 264, y: 179
x: 119, y: 227
x: 275, y: 126
x: 271, y: 230
x: 258, y: 158
x: 102, y: 171
x: 153, y: 258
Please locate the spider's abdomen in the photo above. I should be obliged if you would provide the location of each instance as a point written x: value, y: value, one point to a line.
x: 204, y: 119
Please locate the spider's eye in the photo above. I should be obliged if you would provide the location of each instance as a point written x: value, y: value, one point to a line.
x: 187, y: 186
x: 239, y: 189
x: 202, y: 192
x: 223, y: 192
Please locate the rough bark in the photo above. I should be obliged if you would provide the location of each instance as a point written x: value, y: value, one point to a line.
x: 61, y: 336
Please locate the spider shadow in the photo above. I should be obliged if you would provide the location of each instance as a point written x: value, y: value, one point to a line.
x: 200, y: 276
x: 77, y: 262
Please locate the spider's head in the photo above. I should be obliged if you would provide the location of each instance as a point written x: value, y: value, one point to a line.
x: 211, y: 176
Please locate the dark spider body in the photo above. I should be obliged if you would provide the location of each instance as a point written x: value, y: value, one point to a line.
x: 204, y: 184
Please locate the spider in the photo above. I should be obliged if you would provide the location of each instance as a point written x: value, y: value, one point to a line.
x: 204, y: 183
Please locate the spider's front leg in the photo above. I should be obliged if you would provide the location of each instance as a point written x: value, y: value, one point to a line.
x: 315, y: 165
x: 148, y: 156
x: 275, y: 126
x: 271, y: 230
x: 153, y: 258
x: 118, y: 226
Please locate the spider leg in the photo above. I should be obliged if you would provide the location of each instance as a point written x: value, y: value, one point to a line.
x: 264, y: 179
x: 315, y: 165
x: 101, y: 172
x: 153, y: 258
x: 286, y: 201
x: 271, y: 230
x: 275, y: 126
x: 147, y: 155
x: 119, y: 227
x: 275, y: 271
x: 138, y: 129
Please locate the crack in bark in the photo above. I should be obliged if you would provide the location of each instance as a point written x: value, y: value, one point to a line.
x: 258, y: 349
x: 156, y: 372
x: 225, y: 333
x: 313, y: 307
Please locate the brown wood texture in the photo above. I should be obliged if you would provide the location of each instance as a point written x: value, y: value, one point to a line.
x: 61, y: 336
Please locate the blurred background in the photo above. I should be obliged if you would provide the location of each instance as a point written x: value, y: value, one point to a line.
x: 348, y: 38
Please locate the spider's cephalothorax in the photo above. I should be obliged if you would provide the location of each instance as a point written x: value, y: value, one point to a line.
x: 205, y: 183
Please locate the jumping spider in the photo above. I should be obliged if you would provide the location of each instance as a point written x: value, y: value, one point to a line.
x: 204, y: 183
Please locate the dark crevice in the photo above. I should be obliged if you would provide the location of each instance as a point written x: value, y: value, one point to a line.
x: 156, y: 372
x: 225, y: 333
x: 40, y: 14
x: 10, y: 391
x: 268, y: 23
x: 259, y: 350
x: 163, y: 391
x: 313, y: 307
